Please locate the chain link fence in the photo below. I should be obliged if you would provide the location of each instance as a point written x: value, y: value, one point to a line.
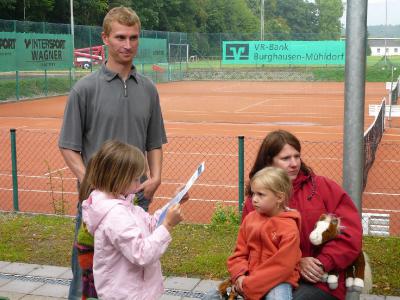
x: 45, y: 184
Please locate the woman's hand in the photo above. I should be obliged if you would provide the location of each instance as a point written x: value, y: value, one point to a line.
x: 311, y: 269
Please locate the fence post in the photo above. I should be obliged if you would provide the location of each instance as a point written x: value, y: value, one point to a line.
x: 241, y: 172
x: 14, y: 169
x: 46, y: 87
x: 17, y: 84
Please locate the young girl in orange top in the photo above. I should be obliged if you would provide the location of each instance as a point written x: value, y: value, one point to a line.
x: 264, y: 264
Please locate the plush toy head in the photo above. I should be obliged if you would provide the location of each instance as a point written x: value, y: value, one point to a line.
x: 326, y: 229
x: 226, y: 290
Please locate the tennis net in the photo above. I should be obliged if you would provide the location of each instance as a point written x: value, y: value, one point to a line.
x: 372, y: 137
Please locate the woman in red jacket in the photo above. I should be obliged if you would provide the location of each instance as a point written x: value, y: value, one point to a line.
x: 312, y: 196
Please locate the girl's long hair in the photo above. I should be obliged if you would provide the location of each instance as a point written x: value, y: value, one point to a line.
x: 272, y: 144
x: 112, y: 169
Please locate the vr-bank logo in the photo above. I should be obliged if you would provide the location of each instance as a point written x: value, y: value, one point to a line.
x: 237, y: 51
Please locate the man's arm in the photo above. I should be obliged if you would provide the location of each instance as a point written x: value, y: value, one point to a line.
x: 154, y: 159
x: 74, y: 161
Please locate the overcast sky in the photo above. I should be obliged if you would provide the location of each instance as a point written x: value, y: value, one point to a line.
x: 377, y: 12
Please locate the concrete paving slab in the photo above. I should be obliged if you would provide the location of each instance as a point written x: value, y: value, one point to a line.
x: 4, y: 281
x: 19, y: 268
x: 12, y: 296
x: 66, y: 275
x: 20, y: 286
x: 371, y: 297
x: 170, y: 297
x: 33, y: 297
x: 3, y: 264
x: 181, y: 283
x: 52, y: 290
x: 49, y: 271
x: 205, y: 286
x: 392, y: 298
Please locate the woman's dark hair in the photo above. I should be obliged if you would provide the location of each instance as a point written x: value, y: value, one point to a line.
x: 272, y: 144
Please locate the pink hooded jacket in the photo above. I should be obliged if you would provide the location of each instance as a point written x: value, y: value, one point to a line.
x: 127, y: 248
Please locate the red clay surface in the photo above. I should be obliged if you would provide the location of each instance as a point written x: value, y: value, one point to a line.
x: 202, y: 120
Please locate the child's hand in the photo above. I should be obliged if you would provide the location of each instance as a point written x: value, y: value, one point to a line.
x: 173, y: 217
x: 185, y: 197
x: 239, y: 284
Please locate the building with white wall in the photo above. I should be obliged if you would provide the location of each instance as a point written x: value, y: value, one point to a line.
x: 377, y: 46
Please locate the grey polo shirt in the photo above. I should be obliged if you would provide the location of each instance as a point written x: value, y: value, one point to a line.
x: 101, y: 106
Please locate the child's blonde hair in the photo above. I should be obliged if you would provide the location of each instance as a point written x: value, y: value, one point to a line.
x: 112, y: 169
x: 275, y: 180
x: 123, y: 15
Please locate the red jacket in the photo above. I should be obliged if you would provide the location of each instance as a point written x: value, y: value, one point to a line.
x: 312, y: 196
x: 267, y: 252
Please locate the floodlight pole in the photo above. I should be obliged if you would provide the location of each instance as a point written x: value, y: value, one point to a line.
x: 71, y: 2
x: 385, y: 31
x: 353, y: 140
x: 262, y: 20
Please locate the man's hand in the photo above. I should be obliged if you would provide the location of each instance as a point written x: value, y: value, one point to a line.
x: 311, y: 269
x: 149, y: 187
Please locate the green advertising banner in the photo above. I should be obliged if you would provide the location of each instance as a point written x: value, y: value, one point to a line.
x: 35, y: 51
x: 8, y: 53
x: 151, y: 51
x: 284, y: 52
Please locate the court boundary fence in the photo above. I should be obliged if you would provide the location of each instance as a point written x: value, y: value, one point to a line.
x: 223, y: 183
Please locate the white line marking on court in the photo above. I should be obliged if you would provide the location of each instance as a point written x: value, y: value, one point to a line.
x: 38, y: 176
x: 202, y: 200
x: 31, y: 118
x: 321, y: 158
x: 55, y: 171
x: 199, y: 153
x: 382, y: 194
x: 41, y: 191
x: 251, y: 105
x: 189, y: 111
x: 391, y: 161
x: 203, y: 184
x: 382, y: 210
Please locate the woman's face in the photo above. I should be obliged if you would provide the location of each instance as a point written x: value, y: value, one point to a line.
x: 288, y: 159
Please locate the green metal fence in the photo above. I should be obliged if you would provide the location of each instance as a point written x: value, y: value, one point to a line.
x: 34, y: 177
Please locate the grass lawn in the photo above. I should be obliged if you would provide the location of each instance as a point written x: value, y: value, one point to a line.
x: 196, y: 250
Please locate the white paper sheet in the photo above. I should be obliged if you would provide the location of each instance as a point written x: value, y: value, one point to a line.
x: 182, y: 193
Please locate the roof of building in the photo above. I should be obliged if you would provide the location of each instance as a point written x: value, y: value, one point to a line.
x: 381, y: 42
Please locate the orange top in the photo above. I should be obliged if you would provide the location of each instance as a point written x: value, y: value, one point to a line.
x: 267, y: 252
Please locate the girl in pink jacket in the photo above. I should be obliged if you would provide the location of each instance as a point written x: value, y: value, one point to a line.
x: 127, y: 242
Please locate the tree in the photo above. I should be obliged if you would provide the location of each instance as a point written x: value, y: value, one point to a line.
x: 300, y: 17
x: 37, y: 10
x: 329, y: 14
x: 90, y: 12
x: 7, y: 9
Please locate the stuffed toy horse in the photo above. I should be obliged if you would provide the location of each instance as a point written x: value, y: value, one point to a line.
x: 326, y: 229
x: 226, y: 290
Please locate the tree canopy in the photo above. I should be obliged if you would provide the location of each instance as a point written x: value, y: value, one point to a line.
x: 295, y: 19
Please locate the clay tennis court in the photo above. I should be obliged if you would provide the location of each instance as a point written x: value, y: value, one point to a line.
x: 202, y: 121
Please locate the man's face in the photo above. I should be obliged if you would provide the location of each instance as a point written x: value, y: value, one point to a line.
x: 122, y: 42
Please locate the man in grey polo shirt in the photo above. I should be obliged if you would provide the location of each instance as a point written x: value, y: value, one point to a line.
x: 114, y: 102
